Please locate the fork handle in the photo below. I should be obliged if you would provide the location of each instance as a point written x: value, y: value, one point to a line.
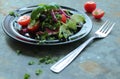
x: 65, y: 61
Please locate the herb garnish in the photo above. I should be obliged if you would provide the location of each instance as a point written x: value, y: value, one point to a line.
x: 26, y: 76
x: 47, y: 60
x: 18, y: 52
x: 12, y: 13
x: 38, y: 72
x: 31, y: 62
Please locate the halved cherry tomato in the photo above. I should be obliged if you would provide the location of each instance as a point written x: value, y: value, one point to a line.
x: 24, y: 20
x: 63, y: 19
x: 98, y: 13
x: 33, y: 28
x: 89, y: 6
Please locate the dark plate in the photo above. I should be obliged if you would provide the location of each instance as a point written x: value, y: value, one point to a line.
x: 9, y: 26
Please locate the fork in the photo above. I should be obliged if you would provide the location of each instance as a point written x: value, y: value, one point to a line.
x: 102, y: 32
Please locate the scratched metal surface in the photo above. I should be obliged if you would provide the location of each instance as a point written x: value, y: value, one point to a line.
x: 100, y: 60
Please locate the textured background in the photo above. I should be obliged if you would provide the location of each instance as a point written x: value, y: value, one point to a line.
x: 100, y: 60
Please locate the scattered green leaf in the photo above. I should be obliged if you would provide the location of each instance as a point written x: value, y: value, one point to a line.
x: 18, y: 52
x: 65, y: 29
x: 26, y: 76
x: 31, y: 62
x: 38, y: 72
x: 47, y: 60
x: 12, y: 13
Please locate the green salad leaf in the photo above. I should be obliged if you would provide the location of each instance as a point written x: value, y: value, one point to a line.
x: 36, y: 12
x: 65, y: 29
x: 41, y: 8
x: 77, y: 18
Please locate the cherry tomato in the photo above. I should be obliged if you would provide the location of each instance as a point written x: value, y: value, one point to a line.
x: 33, y: 28
x: 63, y: 19
x: 89, y: 6
x: 24, y: 20
x: 98, y: 13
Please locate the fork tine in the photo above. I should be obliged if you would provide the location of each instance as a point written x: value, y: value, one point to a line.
x: 109, y: 29
x: 103, y: 26
x: 106, y: 27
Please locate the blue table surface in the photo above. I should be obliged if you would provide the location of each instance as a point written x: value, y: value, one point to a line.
x: 100, y: 60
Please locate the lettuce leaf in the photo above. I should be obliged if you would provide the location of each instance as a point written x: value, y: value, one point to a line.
x: 70, y: 27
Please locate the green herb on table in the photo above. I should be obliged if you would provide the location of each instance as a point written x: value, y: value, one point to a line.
x: 41, y: 60
x: 38, y: 72
x: 45, y: 60
x: 26, y: 76
x: 48, y: 60
x: 31, y: 62
x: 18, y: 52
x: 12, y: 13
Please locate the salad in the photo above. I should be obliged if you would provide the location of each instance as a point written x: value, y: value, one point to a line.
x: 50, y: 22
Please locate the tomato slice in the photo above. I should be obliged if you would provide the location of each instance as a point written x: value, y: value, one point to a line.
x: 98, y: 13
x: 89, y: 6
x: 33, y: 28
x: 24, y: 20
x: 64, y: 18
